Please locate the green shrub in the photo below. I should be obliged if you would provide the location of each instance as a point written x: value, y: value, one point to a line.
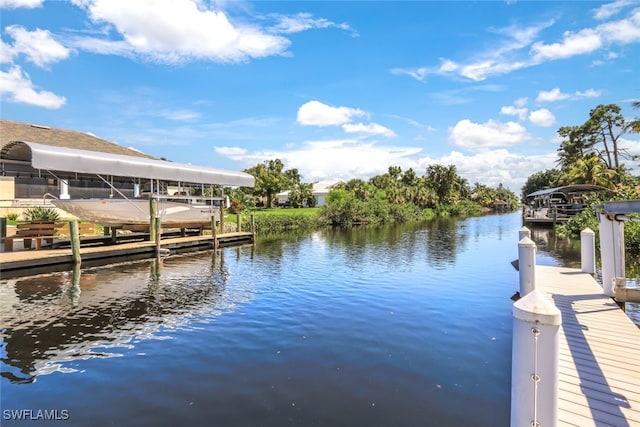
x: 235, y: 206
x: 12, y: 216
x: 40, y: 213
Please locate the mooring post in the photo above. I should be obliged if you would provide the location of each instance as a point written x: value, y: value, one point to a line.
x: 253, y: 228
x: 238, y: 222
x: 153, y: 208
x: 611, y: 252
x: 524, y: 232
x: 222, y: 216
x: 75, y: 241
x: 527, y: 265
x: 588, y: 251
x: 535, y: 360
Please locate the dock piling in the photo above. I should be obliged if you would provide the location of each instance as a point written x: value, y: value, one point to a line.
x: 75, y: 241
x: 535, y: 361
x: 588, y: 251
x: 527, y: 265
x: 524, y: 232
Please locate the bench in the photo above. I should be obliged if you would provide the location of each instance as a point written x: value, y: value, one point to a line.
x: 46, y: 231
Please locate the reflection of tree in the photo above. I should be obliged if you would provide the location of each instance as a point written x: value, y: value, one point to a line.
x: 443, y: 241
x: 51, y: 319
x: 565, y: 250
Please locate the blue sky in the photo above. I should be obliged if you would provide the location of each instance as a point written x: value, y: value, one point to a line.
x: 339, y: 90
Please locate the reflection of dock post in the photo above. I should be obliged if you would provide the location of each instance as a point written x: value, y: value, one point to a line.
x: 527, y: 265
x: 158, y: 235
x: 253, y: 228
x: 535, y: 359
x: 588, y: 251
x: 214, y: 232
x: 74, y: 292
x: 75, y: 242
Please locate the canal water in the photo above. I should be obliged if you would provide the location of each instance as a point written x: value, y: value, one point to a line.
x: 401, y: 326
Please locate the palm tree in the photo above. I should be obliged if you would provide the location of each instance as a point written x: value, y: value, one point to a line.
x: 590, y: 170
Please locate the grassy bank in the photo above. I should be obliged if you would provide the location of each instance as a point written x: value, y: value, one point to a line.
x: 277, y: 220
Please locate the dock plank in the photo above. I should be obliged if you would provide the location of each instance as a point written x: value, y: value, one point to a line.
x: 599, y: 378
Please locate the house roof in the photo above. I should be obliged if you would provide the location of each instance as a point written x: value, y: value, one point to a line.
x: 11, y: 131
x: 63, y: 153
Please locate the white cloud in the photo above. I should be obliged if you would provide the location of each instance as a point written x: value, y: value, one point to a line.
x: 175, y: 31
x: 624, y: 31
x: 39, y: 47
x: 512, y: 110
x: 607, y: 10
x: 231, y: 151
x: 584, y: 41
x: 368, y: 129
x: 589, y: 93
x: 303, y: 22
x: 556, y: 94
x: 478, y: 137
x: 16, y: 86
x: 15, y: 4
x: 542, y: 117
x: 510, y: 53
x: 315, y: 113
x: 6, y: 53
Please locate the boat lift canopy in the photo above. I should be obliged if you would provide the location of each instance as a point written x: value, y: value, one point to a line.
x: 569, y: 189
x: 48, y: 157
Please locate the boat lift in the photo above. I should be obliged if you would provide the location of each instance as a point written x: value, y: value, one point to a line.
x: 611, y: 217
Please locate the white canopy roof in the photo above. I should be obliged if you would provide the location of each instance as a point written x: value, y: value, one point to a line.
x: 50, y: 157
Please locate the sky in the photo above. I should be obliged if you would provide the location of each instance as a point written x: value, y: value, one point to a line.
x: 338, y: 90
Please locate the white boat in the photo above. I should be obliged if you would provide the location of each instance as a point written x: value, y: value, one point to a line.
x: 121, y: 213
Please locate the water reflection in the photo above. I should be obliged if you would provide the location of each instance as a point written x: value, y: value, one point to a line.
x: 52, y: 320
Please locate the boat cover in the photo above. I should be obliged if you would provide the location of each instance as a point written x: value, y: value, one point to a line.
x: 48, y: 157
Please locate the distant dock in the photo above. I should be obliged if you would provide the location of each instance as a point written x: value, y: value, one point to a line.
x: 29, y: 262
x: 599, y: 364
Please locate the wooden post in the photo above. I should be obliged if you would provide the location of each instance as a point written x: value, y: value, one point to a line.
x: 153, y: 209
x: 114, y: 235
x: 214, y: 232
x: 222, y: 216
x: 238, y: 222
x: 527, y: 265
x: 253, y: 227
x: 588, y: 251
x: 3, y: 229
x: 75, y: 242
x: 535, y: 359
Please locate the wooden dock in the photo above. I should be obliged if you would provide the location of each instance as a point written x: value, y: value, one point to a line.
x: 599, y: 381
x: 29, y: 262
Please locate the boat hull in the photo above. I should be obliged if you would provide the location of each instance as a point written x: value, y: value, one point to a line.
x: 126, y: 212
